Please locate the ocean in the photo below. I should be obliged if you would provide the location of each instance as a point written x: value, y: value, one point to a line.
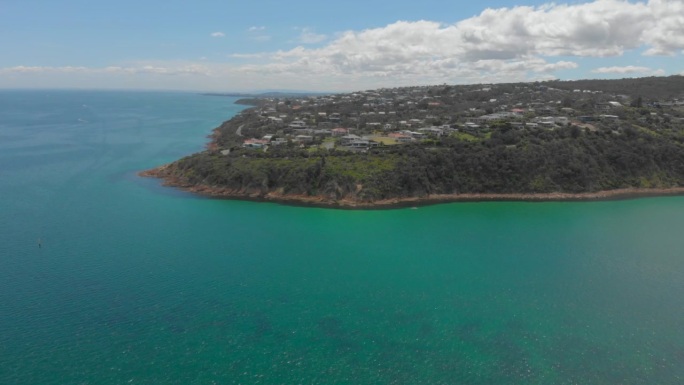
x: 109, y: 278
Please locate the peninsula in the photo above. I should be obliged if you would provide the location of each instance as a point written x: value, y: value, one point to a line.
x: 554, y: 140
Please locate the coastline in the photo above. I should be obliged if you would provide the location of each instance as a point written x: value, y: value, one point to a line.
x: 391, y: 203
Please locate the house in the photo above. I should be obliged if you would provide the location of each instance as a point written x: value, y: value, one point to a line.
x: 348, y: 139
x: 362, y: 143
x: 432, y: 131
x: 335, y: 118
x: 254, y: 143
x: 401, y: 137
x: 518, y: 111
x: 275, y: 120
x: 339, y: 131
x: 297, y: 124
x: 547, y: 110
x: 551, y: 121
x: 304, y: 138
x: 325, y: 125
x: 562, y: 120
x: 603, y: 107
x: 322, y: 132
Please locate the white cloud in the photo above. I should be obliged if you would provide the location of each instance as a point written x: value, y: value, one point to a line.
x: 411, y: 51
x: 40, y: 69
x: 191, y: 69
x: 499, y: 45
x: 308, y: 36
x: 509, y: 44
x: 666, y: 35
x: 600, y: 28
x: 257, y: 33
x: 249, y: 55
x: 218, y: 34
x: 621, y: 70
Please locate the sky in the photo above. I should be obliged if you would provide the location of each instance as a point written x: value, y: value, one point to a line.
x: 350, y: 45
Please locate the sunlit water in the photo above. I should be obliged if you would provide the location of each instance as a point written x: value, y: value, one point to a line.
x: 108, y: 278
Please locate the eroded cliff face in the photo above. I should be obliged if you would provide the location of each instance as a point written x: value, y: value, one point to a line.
x: 343, y: 198
x: 331, y: 194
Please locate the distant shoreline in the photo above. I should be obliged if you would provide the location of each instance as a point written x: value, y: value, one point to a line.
x: 402, y: 202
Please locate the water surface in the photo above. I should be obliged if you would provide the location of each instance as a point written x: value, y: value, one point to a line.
x: 136, y: 283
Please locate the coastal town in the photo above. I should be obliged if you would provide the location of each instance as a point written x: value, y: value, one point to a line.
x: 364, y: 120
x: 544, y: 140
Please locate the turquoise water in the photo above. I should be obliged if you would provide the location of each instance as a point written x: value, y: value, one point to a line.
x: 134, y: 283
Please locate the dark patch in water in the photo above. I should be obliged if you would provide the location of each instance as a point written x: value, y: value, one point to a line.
x: 284, y: 300
x: 343, y: 340
x: 512, y: 364
x: 515, y: 325
x: 176, y: 329
x: 331, y: 327
x: 468, y: 331
x: 261, y: 325
x: 407, y: 318
x: 426, y: 329
x: 580, y: 361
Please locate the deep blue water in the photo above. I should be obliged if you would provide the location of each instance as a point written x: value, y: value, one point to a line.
x: 109, y: 278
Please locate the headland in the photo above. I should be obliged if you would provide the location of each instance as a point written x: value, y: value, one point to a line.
x: 550, y: 141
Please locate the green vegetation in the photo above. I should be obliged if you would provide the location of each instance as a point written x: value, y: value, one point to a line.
x: 569, y: 137
x: 510, y: 161
x: 465, y: 136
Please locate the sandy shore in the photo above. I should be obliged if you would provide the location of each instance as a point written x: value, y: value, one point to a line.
x: 325, y: 201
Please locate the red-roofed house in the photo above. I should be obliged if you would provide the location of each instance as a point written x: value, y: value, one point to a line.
x: 339, y: 131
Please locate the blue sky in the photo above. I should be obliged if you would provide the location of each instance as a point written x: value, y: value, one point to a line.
x: 331, y: 46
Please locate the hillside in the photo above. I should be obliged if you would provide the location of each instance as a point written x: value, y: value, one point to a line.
x: 514, y: 140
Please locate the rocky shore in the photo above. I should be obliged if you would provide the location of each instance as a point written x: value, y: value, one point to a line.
x: 164, y: 173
